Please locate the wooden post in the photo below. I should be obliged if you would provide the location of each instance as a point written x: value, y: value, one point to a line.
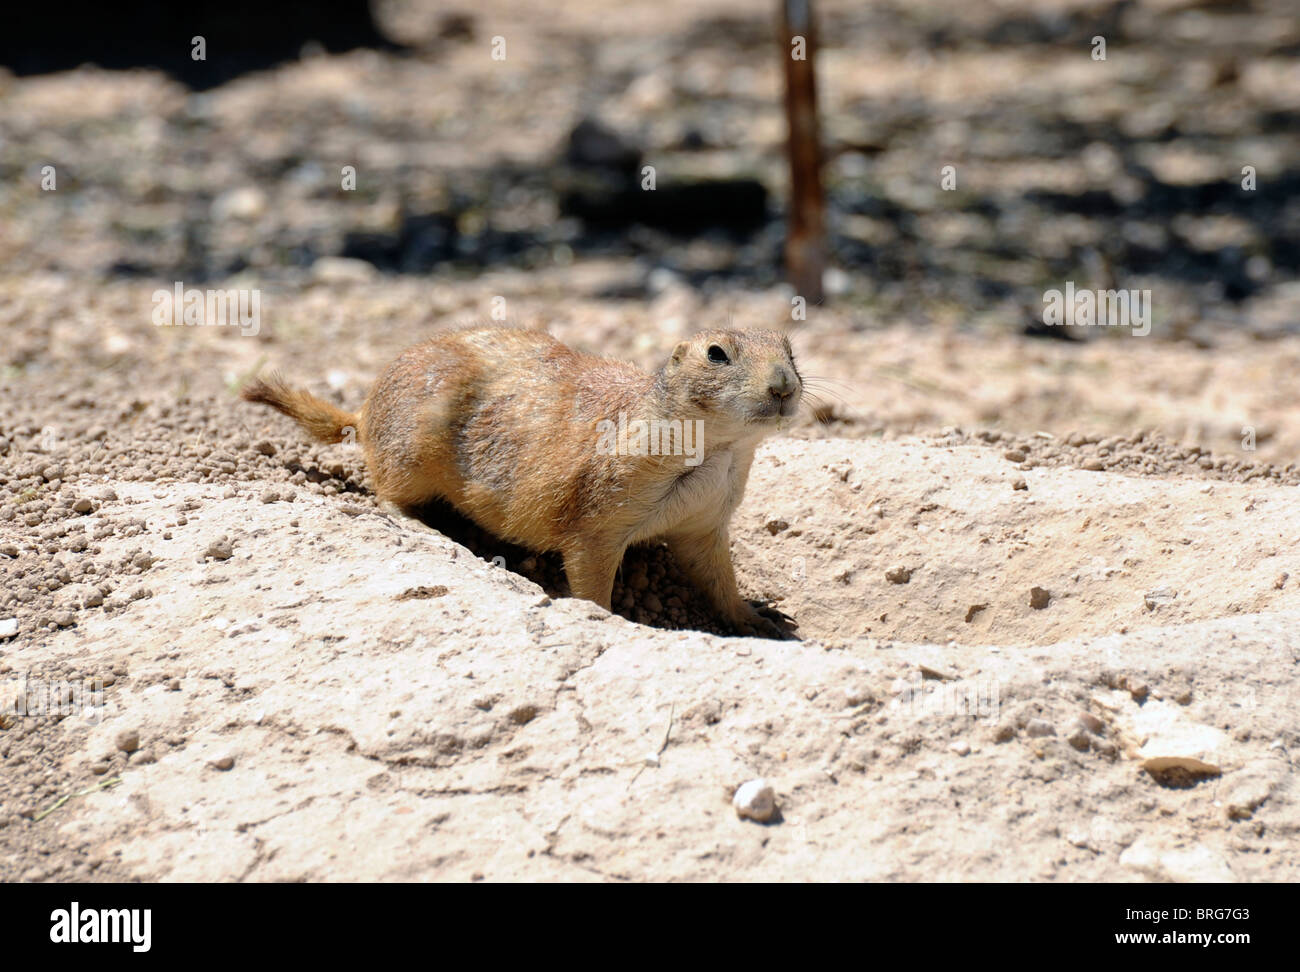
x: 805, y: 245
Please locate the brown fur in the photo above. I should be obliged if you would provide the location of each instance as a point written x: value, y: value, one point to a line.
x: 502, y: 423
x: 323, y: 421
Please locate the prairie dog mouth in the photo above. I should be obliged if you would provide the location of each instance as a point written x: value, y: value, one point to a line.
x: 772, y: 410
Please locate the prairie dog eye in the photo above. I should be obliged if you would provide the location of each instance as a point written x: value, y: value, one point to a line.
x: 717, y: 355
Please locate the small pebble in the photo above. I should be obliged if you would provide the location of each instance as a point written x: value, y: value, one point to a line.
x: 1091, y: 722
x: 521, y: 715
x: 219, y: 549
x: 755, y: 800
x: 1039, y: 727
x: 856, y: 696
x: 128, y: 740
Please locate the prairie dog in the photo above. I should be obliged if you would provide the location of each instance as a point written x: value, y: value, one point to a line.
x: 556, y: 450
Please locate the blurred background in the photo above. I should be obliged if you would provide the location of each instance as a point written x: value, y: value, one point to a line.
x: 499, y: 151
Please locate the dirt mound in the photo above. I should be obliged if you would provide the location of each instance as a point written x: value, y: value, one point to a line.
x: 278, y: 657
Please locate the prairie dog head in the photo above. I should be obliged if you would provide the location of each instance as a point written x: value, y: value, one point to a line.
x: 741, y: 382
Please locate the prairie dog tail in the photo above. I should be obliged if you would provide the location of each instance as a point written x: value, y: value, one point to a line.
x: 321, y: 420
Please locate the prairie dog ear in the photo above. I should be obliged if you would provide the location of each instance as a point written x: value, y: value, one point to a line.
x: 679, y: 352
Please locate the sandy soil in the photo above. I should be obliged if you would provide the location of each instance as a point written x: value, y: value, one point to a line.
x: 407, y: 703
x: 1047, y: 592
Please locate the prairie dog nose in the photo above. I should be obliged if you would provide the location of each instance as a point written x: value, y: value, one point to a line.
x: 782, y: 384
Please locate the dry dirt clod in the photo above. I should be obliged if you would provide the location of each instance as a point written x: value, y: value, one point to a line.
x: 1091, y: 723
x: 523, y: 714
x: 1080, y: 739
x: 1176, y: 760
x: 128, y: 740
x: 1252, y: 786
x: 1039, y: 728
x: 423, y: 593
x: 219, y: 549
x: 856, y: 696
x: 1039, y: 598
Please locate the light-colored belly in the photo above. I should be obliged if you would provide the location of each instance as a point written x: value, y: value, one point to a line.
x: 697, y: 501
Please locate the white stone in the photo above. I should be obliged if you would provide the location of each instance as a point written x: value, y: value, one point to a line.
x: 1183, y: 864
x: 246, y: 203
x: 755, y: 800
x: 343, y: 270
x: 1160, y: 735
